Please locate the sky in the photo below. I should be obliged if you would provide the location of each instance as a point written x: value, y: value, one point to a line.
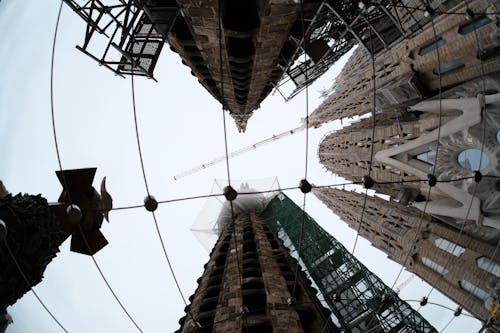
x: 180, y: 126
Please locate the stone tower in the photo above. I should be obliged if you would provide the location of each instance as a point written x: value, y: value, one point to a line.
x: 402, y: 148
x: 431, y: 144
x: 433, y: 251
x: 449, y: 50
x: 252, y: 284
x: 247, y: 286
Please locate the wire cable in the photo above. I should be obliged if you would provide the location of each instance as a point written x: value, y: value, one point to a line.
x: 233, y: 217
x: 290, y: 188
x: 42, y: 303
x: 306, y: 152
x: 438, y: 59
x: 54, y: 132
x: 157, y: 227
x: 483, y: 110
x: 372, y: 146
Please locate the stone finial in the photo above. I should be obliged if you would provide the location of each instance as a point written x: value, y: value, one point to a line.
x: 241, y: 120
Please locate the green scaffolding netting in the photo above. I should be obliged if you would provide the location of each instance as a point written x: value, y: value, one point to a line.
x: 359, y: 300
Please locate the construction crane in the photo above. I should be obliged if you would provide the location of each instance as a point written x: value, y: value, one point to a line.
x: 239, y: 152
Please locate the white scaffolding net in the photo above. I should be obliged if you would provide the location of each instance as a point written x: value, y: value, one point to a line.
x: 253, y: 195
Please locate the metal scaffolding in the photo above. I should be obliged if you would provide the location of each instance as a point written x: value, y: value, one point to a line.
x: 133, y: 33
x: 339, y: 25
x: 358, y: 298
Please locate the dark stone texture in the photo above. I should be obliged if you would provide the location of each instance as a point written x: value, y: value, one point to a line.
x: 34, y: 237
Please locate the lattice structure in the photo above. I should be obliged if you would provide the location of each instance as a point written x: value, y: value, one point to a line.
x: 401, y: 233
x: 338, y: 25
x: 410, y: 71
x: 247, y: 284
x: 359, y: 300
x: 134, y: 33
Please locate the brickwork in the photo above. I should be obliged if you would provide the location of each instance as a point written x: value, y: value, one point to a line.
x: 347, y: 152
x: 358, y: 150
x: 436, y: 253
x: 409, y: 71
x: 247, y: 285
x: 251, y: 45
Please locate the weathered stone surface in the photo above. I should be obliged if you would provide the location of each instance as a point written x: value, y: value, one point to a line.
x: 411, y: 239
x: 247, y: 284
x: 249, y: 43
x: 412, y: 56
x: 34, y: 237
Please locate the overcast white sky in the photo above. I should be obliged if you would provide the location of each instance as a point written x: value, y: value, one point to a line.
x: 180, y: 127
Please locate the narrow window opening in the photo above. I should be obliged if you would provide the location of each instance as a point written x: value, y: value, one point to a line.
x: 434, y: 266
x: 431, y: 47
x: 475, y: 24
x: 473, y: 289
x: 449, y: 247
x: 449, y: 67
x: 489, y: 265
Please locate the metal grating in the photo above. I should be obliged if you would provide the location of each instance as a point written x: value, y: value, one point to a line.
x: 339, y: 25
x: 358, y: 299
x: 134, y: 33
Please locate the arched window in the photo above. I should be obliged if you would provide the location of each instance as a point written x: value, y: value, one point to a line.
x: 473, y: 289
x: 434, y: 266
x: 449, y: 247
x: 489, y: 265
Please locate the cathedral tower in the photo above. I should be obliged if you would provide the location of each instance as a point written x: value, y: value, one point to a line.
x: 247, y: 286
x: 435, y: 252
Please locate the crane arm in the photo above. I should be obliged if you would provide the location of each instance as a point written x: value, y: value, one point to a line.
x: 238, y: 152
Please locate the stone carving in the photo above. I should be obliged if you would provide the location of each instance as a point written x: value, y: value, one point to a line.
x: 34, y: 236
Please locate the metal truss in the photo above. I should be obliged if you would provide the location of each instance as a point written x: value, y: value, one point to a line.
x: 134, y: 33
x: 339, y: 25
x: 358, y: 298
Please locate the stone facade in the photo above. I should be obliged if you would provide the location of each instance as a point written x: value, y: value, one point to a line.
x: 410, y: 70
x: 252, y: 42
x: 402, y: 148
x: 34, y: 236
x: 433, y: 251
x: 247, y: 287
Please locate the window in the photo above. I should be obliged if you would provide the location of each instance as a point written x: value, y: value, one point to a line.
x: 473, y: 289
x: 473, y: 159
x: 432, y: 265
x: 475, y: 24
x: 431, y: 47
x: 449, y: 67
x: 449, y: 247
x: 489, y: 265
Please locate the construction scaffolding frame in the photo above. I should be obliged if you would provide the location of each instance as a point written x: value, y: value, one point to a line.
x: 133, y: 34
x: 338, y: 26
x: 359, y: 300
